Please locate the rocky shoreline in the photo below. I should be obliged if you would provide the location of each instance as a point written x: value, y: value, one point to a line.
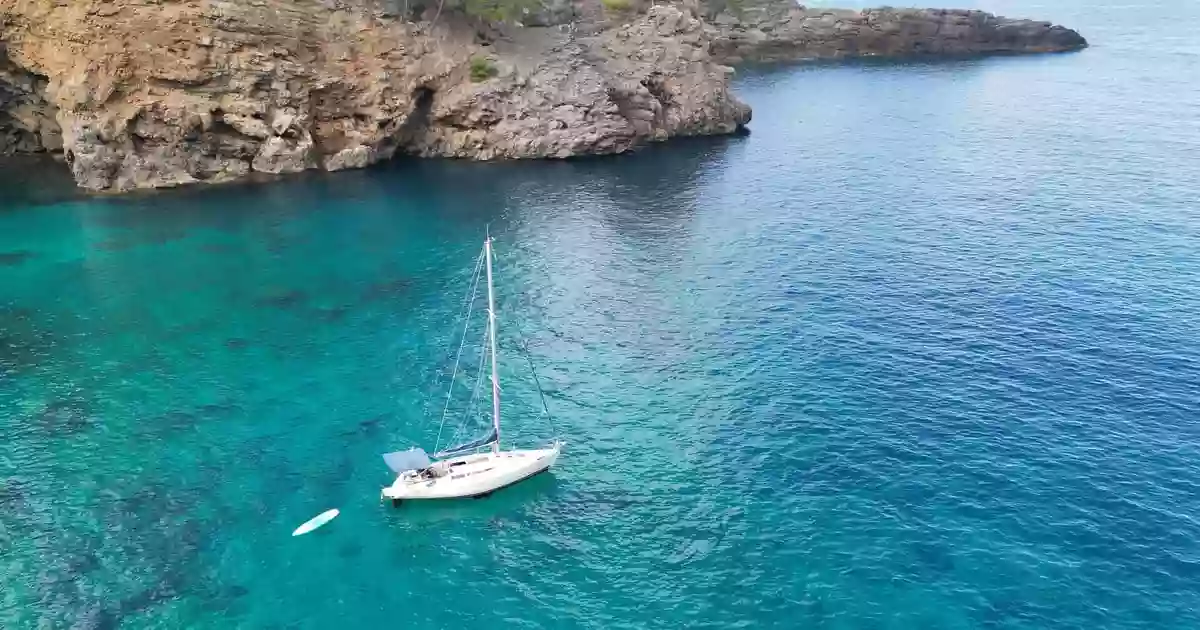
x: 143, y: 95
x: 774, y: 31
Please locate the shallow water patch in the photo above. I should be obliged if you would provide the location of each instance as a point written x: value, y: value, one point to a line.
x: 14, y: 259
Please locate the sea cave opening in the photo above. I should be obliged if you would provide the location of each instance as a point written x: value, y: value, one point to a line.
x: 410, y: 136
x: 31, y: 146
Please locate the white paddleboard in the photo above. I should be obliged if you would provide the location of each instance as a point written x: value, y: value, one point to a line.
x: 315, y: 522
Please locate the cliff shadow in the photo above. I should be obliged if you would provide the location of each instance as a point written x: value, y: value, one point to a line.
x: 656, y: 185
x: 407, y: 138
x: 29, y: 135
x: 914, y: 60
x: 28, y: 122
x: 35, y: 180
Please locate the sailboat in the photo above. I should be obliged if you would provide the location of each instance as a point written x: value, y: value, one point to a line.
x: 468, y: 470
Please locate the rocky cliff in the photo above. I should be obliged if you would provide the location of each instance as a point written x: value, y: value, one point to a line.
x: 150, y: 93
x: 776, y: 30
x: 146, y: 93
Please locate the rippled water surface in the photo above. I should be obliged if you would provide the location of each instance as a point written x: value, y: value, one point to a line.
x: 922, y: 351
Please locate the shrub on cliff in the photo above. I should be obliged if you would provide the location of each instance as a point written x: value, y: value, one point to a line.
x: 713, y: 8
x: 617, y: 5
x: 482, y: 68
x: 497, y: 10
x: 490, y: 10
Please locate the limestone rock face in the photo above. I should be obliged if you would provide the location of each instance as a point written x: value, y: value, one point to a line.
x: 649, y: 79
x: 27, y: 123
x: 151, y: 93
x: 146, y: 93
x: 778, y: 30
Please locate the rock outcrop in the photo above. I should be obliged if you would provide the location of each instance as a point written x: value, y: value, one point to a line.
x: 27, y: 123
x: 144, y: 93
x: 646, y: 80
x: 152, y: 93
x: 781, y: 30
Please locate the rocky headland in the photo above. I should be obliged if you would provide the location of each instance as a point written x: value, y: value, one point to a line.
x: 153, y: 93
x: 779, y: 31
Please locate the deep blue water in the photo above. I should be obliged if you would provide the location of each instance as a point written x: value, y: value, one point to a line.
x: 921, y: 351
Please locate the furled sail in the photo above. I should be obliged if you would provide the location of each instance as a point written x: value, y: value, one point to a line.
x: 488, y: 440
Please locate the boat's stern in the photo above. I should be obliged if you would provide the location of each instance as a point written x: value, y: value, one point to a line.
x: 394, y: 492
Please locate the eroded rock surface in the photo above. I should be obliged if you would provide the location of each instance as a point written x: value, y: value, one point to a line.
x: 778, y: 30
x: 152, y: 93
x: 146, y: 94
x: 27, y: 121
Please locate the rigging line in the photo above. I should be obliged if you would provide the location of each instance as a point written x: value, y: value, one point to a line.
x: 467, y: 301
x: 454, y: 375
x: 529, y: 358
x: 537, y: 382
x: 462, y: 343
x: 472, y: 403
x: 474, y: 393
x: 460, y: 434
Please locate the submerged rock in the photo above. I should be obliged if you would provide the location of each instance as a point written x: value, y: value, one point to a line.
x: 386, y: 289
x: 12, y: 493
x: 287, y: 299
x: 13, y: 259
x: 65, y: 417
x: 96, y: 617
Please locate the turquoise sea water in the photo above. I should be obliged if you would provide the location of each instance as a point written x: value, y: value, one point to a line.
x: 922, y: 351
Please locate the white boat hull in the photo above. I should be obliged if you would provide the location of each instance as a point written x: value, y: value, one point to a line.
x: 472, y: 475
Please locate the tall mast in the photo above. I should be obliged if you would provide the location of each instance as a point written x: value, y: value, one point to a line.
x: 487, y: 250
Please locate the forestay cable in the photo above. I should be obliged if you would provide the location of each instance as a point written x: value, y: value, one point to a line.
x: 470, y: 307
